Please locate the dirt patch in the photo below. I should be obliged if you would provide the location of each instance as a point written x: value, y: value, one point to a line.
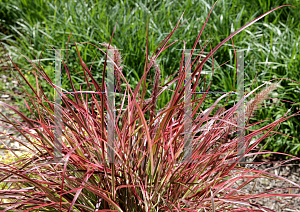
x: 289, y: 170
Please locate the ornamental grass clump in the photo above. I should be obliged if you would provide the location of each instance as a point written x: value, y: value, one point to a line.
x: 149, y: 172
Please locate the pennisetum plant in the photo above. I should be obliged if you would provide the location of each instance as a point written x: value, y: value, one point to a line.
x: 147, y: 176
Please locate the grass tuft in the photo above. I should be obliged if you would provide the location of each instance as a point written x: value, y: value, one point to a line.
x: 149, y: 173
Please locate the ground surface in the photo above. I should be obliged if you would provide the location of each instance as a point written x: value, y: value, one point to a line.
x: 290, y: 171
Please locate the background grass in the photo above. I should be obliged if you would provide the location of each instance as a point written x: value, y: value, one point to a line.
x: 272, y: 43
